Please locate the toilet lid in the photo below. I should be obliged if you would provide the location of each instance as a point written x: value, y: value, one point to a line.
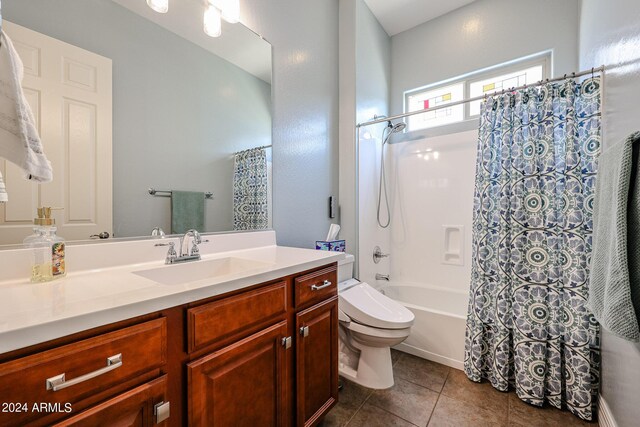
x: 365, y: 305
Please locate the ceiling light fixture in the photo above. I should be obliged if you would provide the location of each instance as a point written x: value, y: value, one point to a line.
x: 216, y: 10
x: 160, y: 6
x: 230, y: 9
x: 212, y: 21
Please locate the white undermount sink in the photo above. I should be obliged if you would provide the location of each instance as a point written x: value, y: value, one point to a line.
x: 192, y: 271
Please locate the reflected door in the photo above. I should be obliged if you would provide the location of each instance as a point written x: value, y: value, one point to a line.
x: 69, y: 91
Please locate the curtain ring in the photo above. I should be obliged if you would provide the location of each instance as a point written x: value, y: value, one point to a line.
x: 573, y: 75
x: 592, y: 73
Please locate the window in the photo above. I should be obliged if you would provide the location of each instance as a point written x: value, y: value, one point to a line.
x: 513, y: 74
x: 503, y: 81
x: 432, y: 98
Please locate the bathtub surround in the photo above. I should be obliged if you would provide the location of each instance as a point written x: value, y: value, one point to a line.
x: 614, y: 292
x: 527, y: 325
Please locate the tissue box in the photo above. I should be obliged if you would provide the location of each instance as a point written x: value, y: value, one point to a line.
x: 331, y: 245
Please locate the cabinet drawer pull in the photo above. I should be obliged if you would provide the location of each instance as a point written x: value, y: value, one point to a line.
x: 326, y: 284
x: 58, y: 382
x: 304, y: 331
x: 286, y: 342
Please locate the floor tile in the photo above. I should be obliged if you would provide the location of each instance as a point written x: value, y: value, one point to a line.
x: 420, y: 371
x: 406, y: 400
x: 481, y: 395
x: 395, y: 355
x: 372, y: 416
x: 454, y: 413
x: 526, y: 415
x: 350, y: 399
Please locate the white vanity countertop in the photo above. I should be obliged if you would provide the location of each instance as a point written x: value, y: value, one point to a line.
x: 37, y: 312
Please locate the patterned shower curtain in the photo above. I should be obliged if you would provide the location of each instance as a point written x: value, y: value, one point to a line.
x: 527, y: 324
x: 250, y: 186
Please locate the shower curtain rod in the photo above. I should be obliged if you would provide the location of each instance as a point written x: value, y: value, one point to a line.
x: 254, y: 148
x: 600, y: 70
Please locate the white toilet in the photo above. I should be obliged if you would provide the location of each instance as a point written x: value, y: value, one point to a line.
x: 370, y: 324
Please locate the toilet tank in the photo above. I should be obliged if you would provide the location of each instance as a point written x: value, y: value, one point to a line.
x: 345, y: 268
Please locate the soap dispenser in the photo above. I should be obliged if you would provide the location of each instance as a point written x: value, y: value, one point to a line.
x: 48, y: 260
x: 41, y: 250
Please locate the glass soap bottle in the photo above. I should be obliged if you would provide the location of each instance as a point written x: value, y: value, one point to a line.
x: 40, y: 246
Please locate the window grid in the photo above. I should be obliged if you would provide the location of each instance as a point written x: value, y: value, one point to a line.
x: 475, y: 85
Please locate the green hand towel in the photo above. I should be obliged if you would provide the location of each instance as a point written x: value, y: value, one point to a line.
x: 187, y: 211
x: 614, y: 291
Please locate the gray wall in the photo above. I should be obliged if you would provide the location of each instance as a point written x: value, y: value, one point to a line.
x: 482, y: 34
x: 179, y: 112
x: 304, y: 35
x: 365, y: 78
x: 610, y: 35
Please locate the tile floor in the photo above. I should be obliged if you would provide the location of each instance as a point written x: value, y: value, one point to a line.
x: 427, y: 393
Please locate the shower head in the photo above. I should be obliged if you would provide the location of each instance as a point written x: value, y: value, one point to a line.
x: 398, y: 127
x: 391, y: 129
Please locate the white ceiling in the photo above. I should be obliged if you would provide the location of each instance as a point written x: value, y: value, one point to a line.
x: 238, y: 44
x: 397, y: 16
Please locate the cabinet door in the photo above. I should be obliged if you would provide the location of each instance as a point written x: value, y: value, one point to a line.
x: 317, y: 361
x: 242, y: 384
x: 133, y: 408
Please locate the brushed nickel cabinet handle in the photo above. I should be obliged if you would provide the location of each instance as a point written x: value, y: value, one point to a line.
x: 286, y: 342
x: 162, y: 411
x: 304, y: 331
x: 58, y: 382
x: 324, y: 285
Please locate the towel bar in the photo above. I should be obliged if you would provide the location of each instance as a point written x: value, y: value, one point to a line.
x: 167, y: 193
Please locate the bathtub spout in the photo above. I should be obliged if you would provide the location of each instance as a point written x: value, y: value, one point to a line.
x: 382, y: 277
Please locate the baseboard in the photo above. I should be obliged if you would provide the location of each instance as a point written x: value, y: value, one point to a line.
x: 453, y: 363
x: 605, y: 416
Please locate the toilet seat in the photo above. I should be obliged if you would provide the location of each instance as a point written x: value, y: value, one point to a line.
x: 378, y: 332
x: 370, y: 308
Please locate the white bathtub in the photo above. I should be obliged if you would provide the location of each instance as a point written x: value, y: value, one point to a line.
x: 438, y: 331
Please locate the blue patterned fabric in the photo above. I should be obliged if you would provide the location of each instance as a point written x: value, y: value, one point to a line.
x: 250, y: 190
x: 528, y: 326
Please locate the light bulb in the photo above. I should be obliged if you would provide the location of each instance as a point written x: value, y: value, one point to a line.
x: 212, y: 22
x: 160, y: 6
x: 230, y: 9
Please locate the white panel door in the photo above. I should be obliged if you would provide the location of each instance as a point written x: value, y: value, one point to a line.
x: 69, y: 91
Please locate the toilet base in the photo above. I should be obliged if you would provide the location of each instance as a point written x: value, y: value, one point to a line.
x: 373, y: 368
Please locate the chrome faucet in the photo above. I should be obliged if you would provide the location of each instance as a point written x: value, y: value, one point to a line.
x: 186, y: 253
x: 158, y: 232
x: 184, y: 244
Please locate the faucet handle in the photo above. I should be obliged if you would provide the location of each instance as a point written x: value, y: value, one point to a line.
x: 171, y: 254
x: 194, y: 248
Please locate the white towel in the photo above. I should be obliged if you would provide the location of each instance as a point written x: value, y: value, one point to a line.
x: 19, y: 139
x: 3, y: 191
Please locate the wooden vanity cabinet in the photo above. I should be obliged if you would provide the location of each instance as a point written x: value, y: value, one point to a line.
x: 243, y: 384
x: 136, y: 407
x: 317, y: 361
x: 266, y: 355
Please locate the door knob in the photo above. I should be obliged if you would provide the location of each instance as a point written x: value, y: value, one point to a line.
x: 103, y: 235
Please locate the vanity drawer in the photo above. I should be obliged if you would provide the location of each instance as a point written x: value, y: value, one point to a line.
x: 86, y: 368
x: 237, y: 316
x: 316, y: 286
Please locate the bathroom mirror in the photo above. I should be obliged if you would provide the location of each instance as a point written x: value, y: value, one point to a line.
x: 140, y: 100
